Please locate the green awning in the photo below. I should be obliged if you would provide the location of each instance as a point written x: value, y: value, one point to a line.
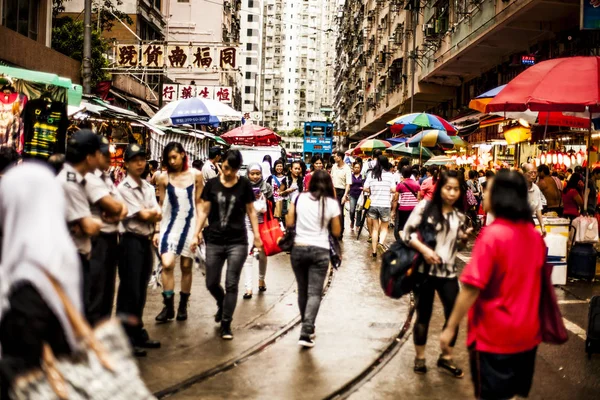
x: 73, y: 91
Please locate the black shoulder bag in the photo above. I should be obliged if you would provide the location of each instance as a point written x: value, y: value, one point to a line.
x: 287, y: 241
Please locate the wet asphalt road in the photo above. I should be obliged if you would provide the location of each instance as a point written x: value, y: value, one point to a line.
x: 356, y: 323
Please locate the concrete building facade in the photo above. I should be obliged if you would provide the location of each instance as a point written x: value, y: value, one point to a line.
x: 461, y: 49
x: 251, y: 34
x: 295, y: 75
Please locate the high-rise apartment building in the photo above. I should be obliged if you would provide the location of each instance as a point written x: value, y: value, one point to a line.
x: 296, y: 74
x: 251, y: 40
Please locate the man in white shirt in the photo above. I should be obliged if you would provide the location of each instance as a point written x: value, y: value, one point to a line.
x: 534, y: 195
x: 210, y: 169
x: 341, y: 175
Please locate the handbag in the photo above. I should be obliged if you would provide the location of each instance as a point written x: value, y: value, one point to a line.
x: 270, y: 233
x: 278, y: 213
x: 552, y: 327
x: 103, y: 369
x: 586, y: 229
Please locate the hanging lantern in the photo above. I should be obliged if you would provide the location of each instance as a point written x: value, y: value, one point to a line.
x: 560, y: 158
x: 567, y: 161
x: 579, y: 158
x: 543, y: 158
x: 573, y: 160
x: 554, y: 158
x: 537, y: 161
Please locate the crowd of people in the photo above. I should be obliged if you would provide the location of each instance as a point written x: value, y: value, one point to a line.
x: 81, y: 230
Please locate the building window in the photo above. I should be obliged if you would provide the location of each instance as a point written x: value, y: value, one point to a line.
x: 250, y: 17
x: 248, y: 75
x: 249, y: 32
x: 248, y: 61
x: 248, y: 89
x: 183, y: 1
x: 250, y: 3
x: 248, y: 46
x: 21, y: 16
x: 247, y: 101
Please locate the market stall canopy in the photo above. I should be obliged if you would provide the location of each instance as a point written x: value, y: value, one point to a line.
x: 367, y: 146
x: 440, y: 160
x: 195, y: 111
x: 410, y: 124
x: 553, y: 118
x: 252, y: 135
x: 403, y: 150
x: 562, y: 84
x: 74, y: 92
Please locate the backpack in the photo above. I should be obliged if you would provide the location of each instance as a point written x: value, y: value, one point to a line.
x: 399, y: 265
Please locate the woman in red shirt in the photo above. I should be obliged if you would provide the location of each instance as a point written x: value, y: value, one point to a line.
x: 572, y: 201
x: 429, y: 184
x: 501, y: 291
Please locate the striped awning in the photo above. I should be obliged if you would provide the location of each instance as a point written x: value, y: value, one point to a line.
x: 195, y: 144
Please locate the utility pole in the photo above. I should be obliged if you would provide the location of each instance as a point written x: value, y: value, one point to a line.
x: 87, y: 47
x: 415, y: 17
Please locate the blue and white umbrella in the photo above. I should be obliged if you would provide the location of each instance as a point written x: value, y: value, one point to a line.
x: 195, y: 111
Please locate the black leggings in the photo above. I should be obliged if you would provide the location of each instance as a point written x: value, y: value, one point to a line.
x: 447, y: 289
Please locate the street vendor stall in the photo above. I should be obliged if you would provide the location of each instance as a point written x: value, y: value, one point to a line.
x: 33, y: 111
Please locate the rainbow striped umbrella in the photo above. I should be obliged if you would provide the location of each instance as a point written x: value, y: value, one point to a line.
x: 368, y: 145
x: 431, y: 138
x: 410, y: 124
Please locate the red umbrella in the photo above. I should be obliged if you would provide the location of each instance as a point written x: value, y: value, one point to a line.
x: 562, y: 84
x: 252, y: 135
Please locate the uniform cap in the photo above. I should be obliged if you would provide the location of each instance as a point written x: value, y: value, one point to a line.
x: 104, y: 146
x: 134, y: 150
x: 84, y: 142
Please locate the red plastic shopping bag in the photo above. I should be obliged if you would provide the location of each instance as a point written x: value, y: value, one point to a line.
x: 270, y: 233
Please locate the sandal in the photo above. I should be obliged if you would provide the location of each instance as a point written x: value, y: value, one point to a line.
x: 263, y: 287
x: 420, y: 367
x: 448, y: 365
x: 247, y: 295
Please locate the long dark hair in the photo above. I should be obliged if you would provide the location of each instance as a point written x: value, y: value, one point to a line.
x: 434, y: 170
x: 383, y: 164
x: 314, y: 159
x: 573, y: 182
x: 433, y: 209
x: 509, y: 196
x: 174, y: 146
x: 300, y: 178
x: 321, y: 187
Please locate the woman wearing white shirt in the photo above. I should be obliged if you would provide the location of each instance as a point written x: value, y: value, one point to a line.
x: 318, y: 209
x: 380, y: 185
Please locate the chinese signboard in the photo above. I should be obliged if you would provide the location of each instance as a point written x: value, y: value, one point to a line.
x: 590, y: 14
x: 176, y: 56
x: 172, y: 92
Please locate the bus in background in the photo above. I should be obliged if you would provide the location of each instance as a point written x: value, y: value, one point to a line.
x: 318, y: 139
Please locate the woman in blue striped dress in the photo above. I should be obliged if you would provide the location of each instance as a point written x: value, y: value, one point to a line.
x: 179, y: 192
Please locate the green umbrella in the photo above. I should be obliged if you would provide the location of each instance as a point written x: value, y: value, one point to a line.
x: 403, y: 150
x: 458, y: 142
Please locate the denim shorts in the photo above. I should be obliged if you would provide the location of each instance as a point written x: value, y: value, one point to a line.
x: 381, y: 213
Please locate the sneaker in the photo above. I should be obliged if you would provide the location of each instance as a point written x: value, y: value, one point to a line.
x: 226, y: 333
x: 247, y: 295
x: 306, y: 341
x: 420, y: 367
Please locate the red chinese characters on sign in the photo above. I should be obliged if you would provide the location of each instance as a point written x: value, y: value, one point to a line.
x: 169, y: 92
x: 186, y: 92
x: 204, y: 93
x: 223, y: 95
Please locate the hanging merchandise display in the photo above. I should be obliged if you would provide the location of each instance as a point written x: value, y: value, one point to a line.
x: 11, y: 109
x: 45, y: 123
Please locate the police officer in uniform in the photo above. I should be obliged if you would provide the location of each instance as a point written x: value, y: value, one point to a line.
x: 107, y: 204
x: 83, y: 150
x: 136, y: 256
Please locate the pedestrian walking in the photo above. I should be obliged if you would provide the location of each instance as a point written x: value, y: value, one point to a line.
x: 572, y: 200
x: 83, y: 151
x: 136, y: 255
x: 267, y: 166
x: 294, y: 182
x: 313, y: 213
x: 501, y: 291
x: 405, y: 200
x: 226, y: 200
x: 439, y: 269
x: 264, y: 200
x: 210, y: 169
x: 341, y: 175
x: 356, y: 191
x: 37, y: 251
x: 429, y: 184
x: 179, y: 193
x: 277, y: 183
x: 316, y: 164
x: 108, y: 205
x: 534, y: 195
x: 381, y: 187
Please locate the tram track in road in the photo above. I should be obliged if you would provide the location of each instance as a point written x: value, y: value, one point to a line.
x: 246, y: 354
x: 380, y: 362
